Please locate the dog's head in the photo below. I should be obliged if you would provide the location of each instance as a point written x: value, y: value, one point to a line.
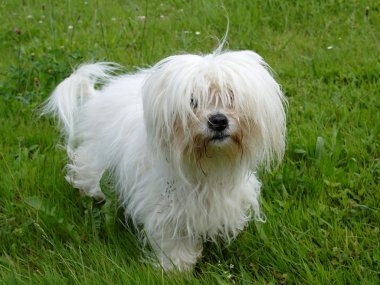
x: 209, y: 109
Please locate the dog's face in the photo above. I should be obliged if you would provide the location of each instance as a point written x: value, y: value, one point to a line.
x: 214, y: 124
x: 214, y: 108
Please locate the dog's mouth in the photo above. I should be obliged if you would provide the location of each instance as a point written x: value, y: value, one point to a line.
x: 219, y: 137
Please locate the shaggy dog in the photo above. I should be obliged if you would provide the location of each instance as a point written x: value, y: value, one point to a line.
x: 182, y: 140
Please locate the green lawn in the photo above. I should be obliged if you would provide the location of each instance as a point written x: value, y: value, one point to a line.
x: 322, y: 204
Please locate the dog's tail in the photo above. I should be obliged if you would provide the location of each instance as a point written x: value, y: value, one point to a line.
x: 73, y: 92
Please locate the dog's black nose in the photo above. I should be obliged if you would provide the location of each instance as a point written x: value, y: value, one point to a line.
x: 218, y: 122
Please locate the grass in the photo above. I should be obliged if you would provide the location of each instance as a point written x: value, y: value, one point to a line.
x: 322, y: 204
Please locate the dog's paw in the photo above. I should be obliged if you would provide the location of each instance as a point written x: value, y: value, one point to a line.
x: 99, y: 197
x: 179, y: 255
x: 169, y: 265
x: 96, y: 194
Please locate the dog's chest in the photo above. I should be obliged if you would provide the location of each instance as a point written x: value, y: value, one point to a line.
x: 204, y: 210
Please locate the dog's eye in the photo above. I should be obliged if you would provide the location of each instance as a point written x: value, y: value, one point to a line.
x: 193, y: 103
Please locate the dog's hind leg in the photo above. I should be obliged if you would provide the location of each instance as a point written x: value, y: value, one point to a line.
x: 85, y: 171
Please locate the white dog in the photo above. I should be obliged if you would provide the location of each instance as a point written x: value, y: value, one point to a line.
x: 182, y: 139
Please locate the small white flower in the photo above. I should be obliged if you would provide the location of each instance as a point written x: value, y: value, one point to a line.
x: 330, y: 47
x: 70, y: 27
x: 197, y: 33
x: 141, y: 18
x: 162, y: 16
x: 40, y: 21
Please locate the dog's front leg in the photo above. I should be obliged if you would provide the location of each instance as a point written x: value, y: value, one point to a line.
x: 177, y: 253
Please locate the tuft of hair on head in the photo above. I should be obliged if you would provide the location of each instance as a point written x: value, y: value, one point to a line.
x: 221, y: 43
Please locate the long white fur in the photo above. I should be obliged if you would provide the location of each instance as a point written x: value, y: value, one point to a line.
x: 143, y: 128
